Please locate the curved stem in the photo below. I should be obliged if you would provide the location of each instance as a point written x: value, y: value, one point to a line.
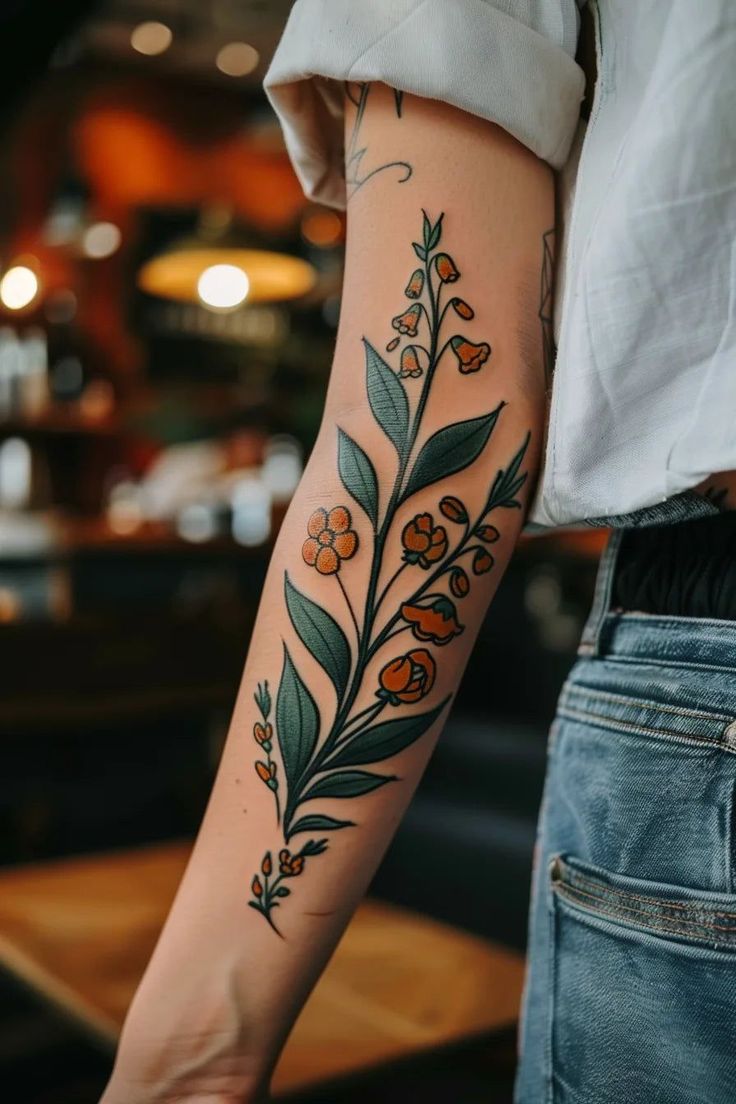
x: 389, y: 584
x: 349, y: 605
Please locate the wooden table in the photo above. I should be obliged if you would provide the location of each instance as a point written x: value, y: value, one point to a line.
x: 80, y: 932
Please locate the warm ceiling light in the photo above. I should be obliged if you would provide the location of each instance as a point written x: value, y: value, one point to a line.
x: 237, y: 59
x: 322, y: 228
x: 18, y: 287
x: 272, y: 277
x: 223, y: 286
x: 101, y: 239
x: 151, y: 38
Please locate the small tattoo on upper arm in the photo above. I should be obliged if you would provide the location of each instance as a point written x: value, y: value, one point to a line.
x: 355, y: 173
x: 418, y: 575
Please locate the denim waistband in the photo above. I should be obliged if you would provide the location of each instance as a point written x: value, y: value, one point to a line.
x: 692, y: 642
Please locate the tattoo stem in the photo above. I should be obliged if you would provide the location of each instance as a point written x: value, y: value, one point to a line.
x: 349, y: 605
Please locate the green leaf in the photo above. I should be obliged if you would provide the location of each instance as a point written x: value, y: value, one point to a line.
x: 318, y: 822
x: 358, y: 474
x: 421, y: 253
x: 297, y: 722
x: 426, y: 229
x: 347, y: 784
x: 386, y: 739
x: 449, y: 450
x: 436, y: 234
x: 387, y: 398
x: 320, y: 634
x: 281, y: 891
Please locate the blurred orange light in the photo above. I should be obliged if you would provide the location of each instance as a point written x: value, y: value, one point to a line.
x: 237, y: 59
x: 322, y: 228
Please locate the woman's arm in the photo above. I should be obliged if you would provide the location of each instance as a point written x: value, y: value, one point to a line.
x: 392, y: 549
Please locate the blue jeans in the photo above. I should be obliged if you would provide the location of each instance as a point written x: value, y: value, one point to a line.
x: 631, y: 988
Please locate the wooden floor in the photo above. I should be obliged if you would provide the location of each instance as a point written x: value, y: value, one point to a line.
x: 80, y: 933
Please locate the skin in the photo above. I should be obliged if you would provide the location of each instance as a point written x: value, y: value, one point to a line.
x: 223, y: 989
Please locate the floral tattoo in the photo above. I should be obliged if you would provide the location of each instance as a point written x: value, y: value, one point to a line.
x: 355, y: 174
x: 439, y: 552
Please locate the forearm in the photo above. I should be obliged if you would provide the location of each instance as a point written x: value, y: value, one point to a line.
x: 391, y: 550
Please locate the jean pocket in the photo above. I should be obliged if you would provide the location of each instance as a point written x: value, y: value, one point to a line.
x: 644, y: 990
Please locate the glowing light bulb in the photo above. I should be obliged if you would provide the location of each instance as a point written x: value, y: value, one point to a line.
x: 18, y: 287
x: 101, y: 240
x: 223, y: 286
x: 237, y: 59
x: 151, y: 38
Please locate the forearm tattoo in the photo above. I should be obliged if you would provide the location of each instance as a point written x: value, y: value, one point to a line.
x: 435, y: 556
x: 356, y: 175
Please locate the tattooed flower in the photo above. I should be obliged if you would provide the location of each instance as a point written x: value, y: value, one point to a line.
x: 392, y: 344
x: 459, y: 582
x: 446, y: 269
x: 434, y: 619
x: 256, y: 888
x: 488, y: 533
x: 470, y: 357
x: 424, y: 542
x: 453, y: 509
x: 408, y: 322
x: 409, y: 678
x: 415, y: 287
x: 263, y: 735
x: 331, y: 540
x: 267, y: 773
x: 290, y: 865
x: 463, y: 309
x: 482, y: 562
x: 266, y: 865
x: 410, y: 365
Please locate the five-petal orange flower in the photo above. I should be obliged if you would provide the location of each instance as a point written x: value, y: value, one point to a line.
x: 330, y: 541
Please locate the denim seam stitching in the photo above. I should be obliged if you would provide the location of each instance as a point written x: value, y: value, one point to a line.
x: 612, y: 724
x: 666, y: 927
x: 644, y: 703
x: 575, y: 876
x: 631, y: 658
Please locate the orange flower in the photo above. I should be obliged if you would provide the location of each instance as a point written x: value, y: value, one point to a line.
x: 415, y: 287
x: 263, y: 734
x: 256, y: 887
x: 482, y: 562
x: 424, y: 542
x: 434, y: 620
x: 446, y: 268
x: 463, y: 309
x: 409, y: 678
x: 266, y: 865
x: 488, y: 533
x: 459, y: 582
x: 470, y: 356
x: 410, y: 365
x: 392, y: 344
x: 290, y: 865
x: 453, y: 509
x: 267, y: 773
x: 331, y: 540
x: 408, y: 322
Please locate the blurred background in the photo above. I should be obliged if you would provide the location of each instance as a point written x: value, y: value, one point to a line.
x: 168, y: 306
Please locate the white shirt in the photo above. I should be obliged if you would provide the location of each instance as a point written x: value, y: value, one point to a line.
x: 643, y: 401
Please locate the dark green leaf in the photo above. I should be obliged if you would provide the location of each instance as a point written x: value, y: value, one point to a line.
x: 281, y: 891
x: 318, y: 822
x: 297, y: 722
x: 387, y: 397
x: 434, y: 237
x: 347, y: 784
x: 314, y: 847
x: 507, y: 483
x: 426, y: 229
x: 421, y: 253
x: 386, y: 739
x: 399, y: 98
x: 320, y: 634
x: 449, y: 450
x: 358, y: 474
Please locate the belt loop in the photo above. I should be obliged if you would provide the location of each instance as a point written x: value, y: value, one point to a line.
x: 590, y: 641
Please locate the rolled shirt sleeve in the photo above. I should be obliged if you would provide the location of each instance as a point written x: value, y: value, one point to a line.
x: 508, y: 61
